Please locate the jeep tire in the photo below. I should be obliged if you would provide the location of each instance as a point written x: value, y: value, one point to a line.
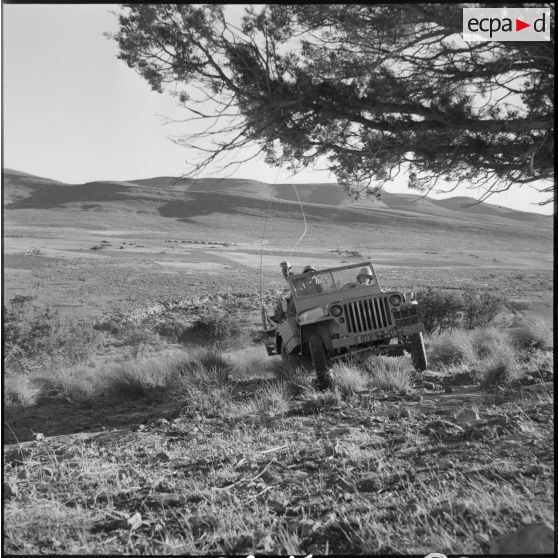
x: 319, y: 361
x: 290, y: 362
x: 418, y: 352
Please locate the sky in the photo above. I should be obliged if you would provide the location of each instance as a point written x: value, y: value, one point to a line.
x: 75, y: 113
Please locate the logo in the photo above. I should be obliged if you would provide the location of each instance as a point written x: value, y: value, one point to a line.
x: 506, y: 24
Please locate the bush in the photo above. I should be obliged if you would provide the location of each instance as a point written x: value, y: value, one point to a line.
x: 36, y: 338
x: 439, y: 309
x: 18, y: 391
x: 205, y: 370
x: 502, y: 367
x: 488, y: 341
x: 480, y: 308
x: 219, y: 329
x: 76, y: 385
x: 534, y: 334
x: 443, y: 310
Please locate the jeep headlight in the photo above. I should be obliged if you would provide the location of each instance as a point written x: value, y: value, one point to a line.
x: 335, y: 310
x: 395, y: 300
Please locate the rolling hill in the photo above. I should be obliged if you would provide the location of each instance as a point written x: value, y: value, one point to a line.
x: 25, y: 191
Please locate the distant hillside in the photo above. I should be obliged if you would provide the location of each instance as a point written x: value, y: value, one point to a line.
x: 25, y: 191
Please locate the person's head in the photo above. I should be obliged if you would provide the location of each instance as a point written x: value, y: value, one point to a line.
x: 309, y: 270
x: 365, y: 276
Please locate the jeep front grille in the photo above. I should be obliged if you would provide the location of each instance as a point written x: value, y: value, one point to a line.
x: 367, y: 314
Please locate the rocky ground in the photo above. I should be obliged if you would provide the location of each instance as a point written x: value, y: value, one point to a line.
x: 279, y: 468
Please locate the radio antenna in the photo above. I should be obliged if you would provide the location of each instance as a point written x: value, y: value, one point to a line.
x: 303, y: 217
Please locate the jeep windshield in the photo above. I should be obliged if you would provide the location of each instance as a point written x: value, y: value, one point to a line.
x: 331, y: 281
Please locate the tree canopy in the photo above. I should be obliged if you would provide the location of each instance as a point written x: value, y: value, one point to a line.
x: 374, y: 90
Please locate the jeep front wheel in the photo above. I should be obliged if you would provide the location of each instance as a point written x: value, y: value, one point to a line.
x: 289, y: 361
x: 319, y: 361
x: 418, y: 352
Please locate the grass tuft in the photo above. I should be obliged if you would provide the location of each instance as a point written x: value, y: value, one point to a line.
x: 349, y: 378
x: 390, y: 373
x: 450, y: 348
x: 533, y: 334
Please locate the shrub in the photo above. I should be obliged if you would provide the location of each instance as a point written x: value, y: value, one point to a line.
x: 533, y: 334
x: 439, y: 309
x: 488, y: 341
x: 18, y: 391
x: 219, y: 329
x: 36, y: 338
x: 502, y: 367
x: 77, y: 385
x: 480, y: 308
x: 205, y: 370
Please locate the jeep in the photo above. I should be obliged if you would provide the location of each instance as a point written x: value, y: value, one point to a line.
x: 331, y: 315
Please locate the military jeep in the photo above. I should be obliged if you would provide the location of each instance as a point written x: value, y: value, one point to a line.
x: 329, y: 316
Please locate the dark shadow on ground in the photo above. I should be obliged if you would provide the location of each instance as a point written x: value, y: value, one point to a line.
x: 55, y: 417
x: 200, y: 204
x: 49, y: 195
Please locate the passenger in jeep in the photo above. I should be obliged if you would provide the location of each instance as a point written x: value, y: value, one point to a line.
x: 365, y: 276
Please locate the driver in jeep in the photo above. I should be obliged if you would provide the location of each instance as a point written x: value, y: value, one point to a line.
x: 312, y: 284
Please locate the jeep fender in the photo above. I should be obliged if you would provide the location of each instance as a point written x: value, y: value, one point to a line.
x: 288, y: 335
x: 322, y: 329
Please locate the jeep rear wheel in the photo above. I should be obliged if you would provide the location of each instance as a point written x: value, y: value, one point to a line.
x: 319, y: 361
x: 418, y: 352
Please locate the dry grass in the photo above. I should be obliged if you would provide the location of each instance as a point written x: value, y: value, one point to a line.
x: 533, y: 334
x: 450, y: 349
x: 396, y: 374
x: 349, y: 378
x: 18, y: 391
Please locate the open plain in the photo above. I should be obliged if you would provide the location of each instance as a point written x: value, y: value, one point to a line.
x: 106, y: 452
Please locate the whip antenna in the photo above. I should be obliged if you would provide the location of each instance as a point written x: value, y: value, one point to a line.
x: 262, y: 307
x: 303, y: 217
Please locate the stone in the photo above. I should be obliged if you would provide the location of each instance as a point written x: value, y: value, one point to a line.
x: 162, y: 456
x: 534, y: 470
x: 537, y: 538
x: 134, y: 521
x: 9, y: 490
x: 371, y: 483
x: 467, y: 416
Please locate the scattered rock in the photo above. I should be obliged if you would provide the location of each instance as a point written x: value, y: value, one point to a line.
x: 536, y: 538
x: 134, y: 521
x: 162, y: 456
x: 461, y: 378
x: 9, y: 490
x: 467, y: 416
x: 443, y: 428
x: 534, y: 470
x: 371, y: 483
